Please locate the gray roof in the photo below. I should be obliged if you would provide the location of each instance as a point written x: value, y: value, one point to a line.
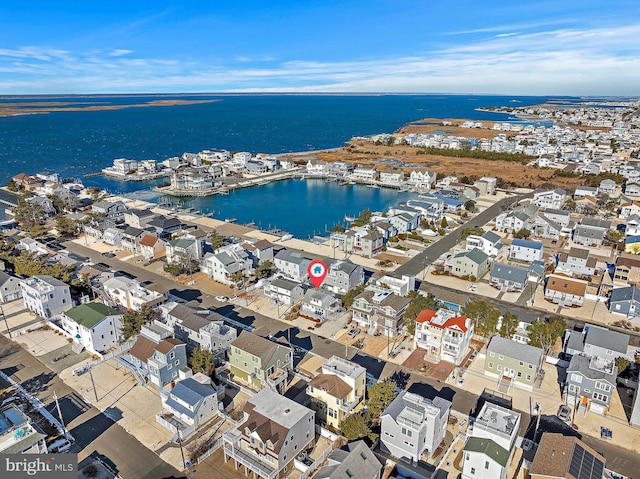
x: 191, y: 392
x: 575, y: 341
x: 580, y: 364
x: 476, y: 255
x: 514, y: 350
x: 491, y: 236
x: 595, y: 223
x: 629, y: 293
x: 285, y: 284
x: 133, y: 231
x: 607, y: 339
x: 189, y: 318
x: 526, y: 244
x: 45, y: 278
x: 353, y: 460
x: 554, y: 211
x: 509, y: 273
x: 290, y: 257
x: 345, y: 266
x: 588, y: 232
x: 414, y: 407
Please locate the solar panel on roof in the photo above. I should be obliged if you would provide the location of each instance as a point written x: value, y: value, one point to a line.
x: 584, y: 465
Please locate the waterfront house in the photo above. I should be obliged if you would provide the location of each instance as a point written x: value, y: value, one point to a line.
x: 198, y: 329
x: 341, y: 169
x: 512, y: 363
x: 274, y: 431
x: 138, y: 218
x: 404, y: 222
x: 191, y: 180
x: 112, y: 209
x: 412, y: 427
x: 130, y: 294
x: 45, y: 295
x: 45, y: 205
x: 430, y: 207
x: 373, y: 309
x: 422, y: 179
x: 507, y: 277
x: 549, y: 198
x: 317, y: 167
x: 576, y: 262
x: 337, y: 391
x: 386, y: 229
x: 444, y: 335
x: 191, y: 403
x: 342, y: 276
x: 391, y: 177
x: 590, y: 383
x: 490, y: 443
x: 353, y: 459
x: 627, y: 269
x: 156, y: 357
x: 260, y: 363
x: 320, y: 305
x: 597, y: 342
x: 625, y: 301
x: 525, y: 250
x: 364, y: 173
x: 27, y: 182
x: 284, y: 292
x: 292, y: 265
x: 564, y: 290
x: 164, y: 226
x: 151, y: 247
x: 95, y: 326
x: 473, y: 263
x: 566, y: 457
x: 19, y: 436
x: 489, y: 243
x: 9, y: 287
x: 367, y: 243
x: 591, y: 232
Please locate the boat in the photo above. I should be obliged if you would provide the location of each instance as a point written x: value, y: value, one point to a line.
x: 286, y: 237
x: 230, y: 220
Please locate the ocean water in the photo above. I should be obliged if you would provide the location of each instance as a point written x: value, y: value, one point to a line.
x: 78, y: 143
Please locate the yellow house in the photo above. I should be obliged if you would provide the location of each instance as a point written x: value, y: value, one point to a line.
x: 337, y: 391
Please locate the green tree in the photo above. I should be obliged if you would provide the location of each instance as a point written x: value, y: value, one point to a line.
x: 354, y: 427
x: 28, y: 264
x: 508, y: 324
x: 217, y: 240
x: 443, y: 222
x: 201, y: 360
x: 470, y: 205
x: 418, y: 303
x: 477, y: 231
x: 12, y: 185
x: 522, y: 233
x: 613, y: 236
x: 363, y: 219
x: 132, y: 321
x: 265, y: 269
x: 485, y: 317
x: 338, y: 229
x: 380, y: 395
x: 28, y: 214
x: 174, y: 269
x: 570, y: 205
x: 6, y: 250
x: 65, y: 226
x: 622, y: 364
x: 350, y: 295
x: 544, y: 333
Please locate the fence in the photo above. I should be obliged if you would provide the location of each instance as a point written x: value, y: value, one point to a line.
x: 216, y: 445
x: 315, y: 464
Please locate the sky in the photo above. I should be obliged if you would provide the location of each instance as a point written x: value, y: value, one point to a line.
x: 526, y: 47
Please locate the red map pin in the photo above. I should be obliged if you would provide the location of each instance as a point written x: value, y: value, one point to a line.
x: 317, y: 272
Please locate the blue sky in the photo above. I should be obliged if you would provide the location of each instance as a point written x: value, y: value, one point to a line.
x: 559, y: 47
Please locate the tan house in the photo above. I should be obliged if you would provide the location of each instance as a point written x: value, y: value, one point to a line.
x: 337, y: 391
x: 627, y: 269
x: 151, y: 247
x: 564, y: 290
x: 566, y: 457
x: 259, y: 362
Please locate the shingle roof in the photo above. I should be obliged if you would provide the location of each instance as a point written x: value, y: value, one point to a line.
x: 254, y: 344
x: 509, y: 273
x: 90, y: 314
x: 476, y: 255
x: 284, y: 284
x: 607, y: 339
x: 491, y: 236
x: 580, y: 364
x: 332, y: 384
x: 564, y: 284
x: 629, y: 293
x: 352, y: 460
x: 526, y: 244
x: 489, y: 448
x: 514, y: 350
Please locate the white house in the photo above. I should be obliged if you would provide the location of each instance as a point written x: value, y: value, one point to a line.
x: 130, y: 294
x: 284, y: 291
x: 489, y: 243
x: 95, y: 326
x: 444, y: 335
x: 549, y: 198
x: 46, y: 296
x: 292, y: 265
x: 525, y: 250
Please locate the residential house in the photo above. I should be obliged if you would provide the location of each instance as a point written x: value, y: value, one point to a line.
x: 577, y: 262
x: 284, y: 291
x: 627, y: 269
x: 400, y: 284
x: 513, y: 363
x: 549, y: 198
x: 582, y: 191
x: 586, y: 204
x: 205, y: 331
x: 597, y: 342
x: 364, y: 173
x: 430, y: 207
x: 386, y: 229
x: 489, y: 243
x: 591, y: 232
x: 131, y: 238
x: 341, y: 169
x: 183, y: 250
x: 226, y: 264
x: 320, y: 305
x: 156, y: 357
x: 45, y: 295
x: 317, y: 167
x: 507, y: 277
x: 138, y: 218
x: 44, y: 204
x: 590, y: 383
x: 95, y: 326
x: 566, y: 291
x: 526, y: 250
x: 474, y: 263
x: 31, y: 245
x: 487, y: 185
x: 566, y: 457
x: 392, y: 177
x: 607, y: 187
x: 342, y: 276
x: 353, y: 460
x: 513, y: 221
x: 412, y: 427
x: 259, y: 362
x: 445, y: 336
x: 632, y: 188
x: 191, y: 403
x: 112, y: 209
x: 379, y: 309
x: 113, y: 236
x: 632, y: 244
x: 258, y: 250
x: 274, y: 431
x: 633, y: 226
x: 9, y: 287
x: 163, y: 226
x: 628, y: 208
x: 27, y: 182
x: 337, y: 391
x: 490, y: 443
x: 422, y: 179
x: 151, y: 247
x: 367, y: 243
x: 404, y: 222
x: 19, y: 436
x: 292, y: 265
x: 625, y: 301
x: 130, y: 294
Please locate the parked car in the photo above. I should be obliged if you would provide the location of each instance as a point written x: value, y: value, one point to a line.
x: 109, y: 254
x: 564, y: 413
x: 222, y: 299
x: 353, y: 333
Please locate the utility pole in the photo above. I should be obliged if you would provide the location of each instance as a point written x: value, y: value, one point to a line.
x: 5, y: 321
x: 184, y: 463
x: 93, y: 384
x: 64, y: 428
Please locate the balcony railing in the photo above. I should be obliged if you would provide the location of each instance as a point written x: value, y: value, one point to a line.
x: 349, y: 406
x: 232, y: 450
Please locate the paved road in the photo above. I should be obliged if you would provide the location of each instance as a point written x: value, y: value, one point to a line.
x: 92, y: 430
x: 462, y: 400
